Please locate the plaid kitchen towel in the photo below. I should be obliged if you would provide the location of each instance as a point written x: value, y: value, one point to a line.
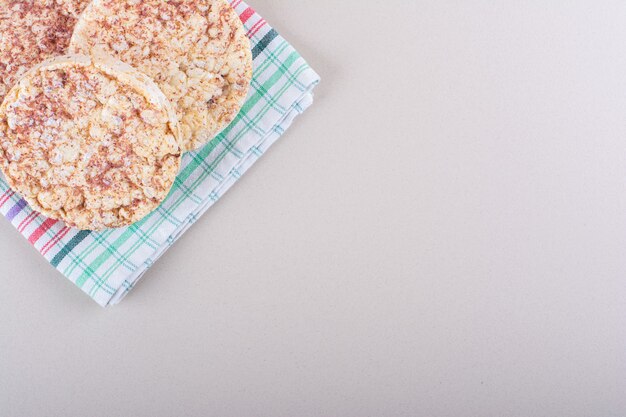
x: 107, y: 264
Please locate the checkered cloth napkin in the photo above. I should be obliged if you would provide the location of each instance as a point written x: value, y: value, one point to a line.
x: 106, y: 265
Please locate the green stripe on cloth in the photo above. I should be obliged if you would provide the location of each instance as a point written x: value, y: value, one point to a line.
x: 264, y: 43
x: 79, y: 237
x: 130, y: 231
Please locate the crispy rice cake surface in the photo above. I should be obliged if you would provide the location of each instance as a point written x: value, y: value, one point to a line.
x: 32, y: 31
x: 91, y: 142
x: 197, y: 51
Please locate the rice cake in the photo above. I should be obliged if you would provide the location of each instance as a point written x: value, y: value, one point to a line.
x: 197, y: 51
x: 93, y: 143
x: 32, y: 31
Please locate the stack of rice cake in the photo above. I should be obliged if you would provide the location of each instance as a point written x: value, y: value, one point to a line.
x: 101, y: 98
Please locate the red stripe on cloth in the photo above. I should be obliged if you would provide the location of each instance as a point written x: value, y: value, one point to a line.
x: 28, y: 220
x: 7, y: 194
x: 46, y: 248
x: 254, y: 29
x: 235, y: 3
x: 45, y: 226
x: 247, y: 14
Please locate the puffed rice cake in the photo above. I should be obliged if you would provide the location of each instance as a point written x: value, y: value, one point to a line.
x: 91, y: 142
x: 32, y: 31
x: 197, y: 51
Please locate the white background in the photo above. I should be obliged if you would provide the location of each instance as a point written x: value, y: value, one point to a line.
x: 442, y: 234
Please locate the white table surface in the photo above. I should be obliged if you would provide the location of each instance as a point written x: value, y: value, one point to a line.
x: 442, y: 234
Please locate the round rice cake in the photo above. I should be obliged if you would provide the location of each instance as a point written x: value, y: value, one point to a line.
x: 197, y: 51
x: 93, y: 143
x: 32, y: 31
